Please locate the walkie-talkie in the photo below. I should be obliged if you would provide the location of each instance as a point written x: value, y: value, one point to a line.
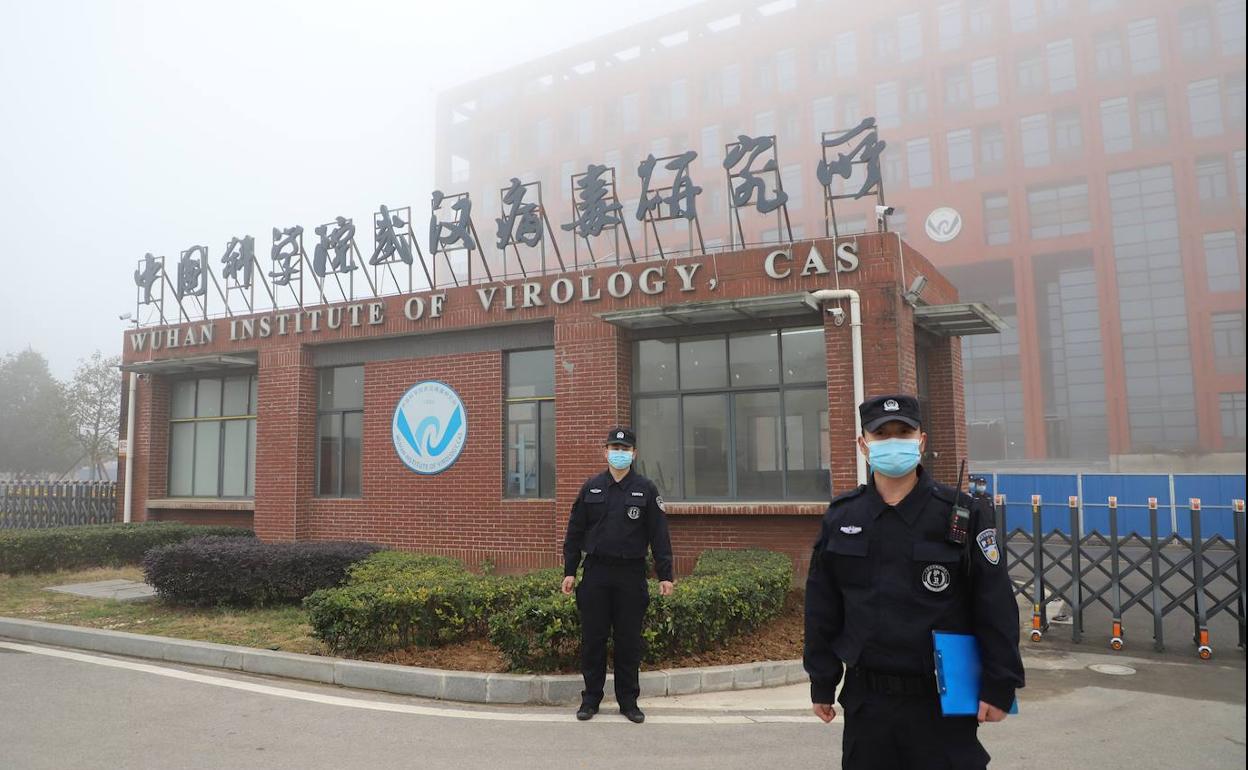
x: 959, y: 517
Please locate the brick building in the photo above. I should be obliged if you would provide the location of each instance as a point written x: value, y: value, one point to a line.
x: 1092, y: 150
x: 740, y: 384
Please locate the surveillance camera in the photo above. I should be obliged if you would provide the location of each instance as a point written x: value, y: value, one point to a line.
x: 838, y: 316
x: 884, y: 211
x: 911, y: 297
x: 125, y: 317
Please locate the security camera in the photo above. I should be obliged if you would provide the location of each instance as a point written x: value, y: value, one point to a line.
x: 884, y: 211
x: 911, y: 297
x: 838, y: 316
x: 125, y: 317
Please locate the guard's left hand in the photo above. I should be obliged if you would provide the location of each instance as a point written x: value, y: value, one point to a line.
x: 666, y: 587
x: 990, y: 713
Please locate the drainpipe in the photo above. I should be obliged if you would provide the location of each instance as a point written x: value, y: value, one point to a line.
x: 129, y: 493
x: 855, y: 336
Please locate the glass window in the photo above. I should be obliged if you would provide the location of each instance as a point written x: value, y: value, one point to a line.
x: 1211, y: 179
x: 759, y: 437
x: 1161, y: 406
x: 1204, y: 102
x: 919, y: 162
x: 1060, y: 56
x: 846, y: 54
x: 1107, y: 49
x: 996, y: 219
x: 961, y: 153
x: 823, y: 111
x: 991, y: 149
x: 1231, y: 31
x: 786, y: 70
x: 212, y: 437
x: 1151, y: 109
x: 1030, y: 72
x: 1228, y: 341
x: 1058, y: 210
x: 1144, y: 44
x: 530, y: 410
x: 916, y: 99
x: 949, y: 26
x: 1195, y: 32
x: 1238, y: 159
x: 1068, y: 133
x: 730, y: 92
x: 1235, y: 98
x: 957, y: 87
x: 888, y: 104
x: 984, y: 90
x: 703, y: 363
x: 340, y: 424
x: 1023, y: 16
x: 1222, y: 261
x: 909, y: 37
x: 1116, y: 125
x: 885, y: 42
x: 1034, y: 132
x: 979, y: 17
x: 1231, y: 406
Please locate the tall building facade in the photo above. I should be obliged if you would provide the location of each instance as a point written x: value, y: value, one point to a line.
x: 1079, y: 165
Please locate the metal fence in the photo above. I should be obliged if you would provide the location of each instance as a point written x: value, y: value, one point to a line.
x: 1109, y: 558
x: 34, y: 505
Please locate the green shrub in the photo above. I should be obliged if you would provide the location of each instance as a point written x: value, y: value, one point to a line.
x: 395, y: 599
x: 240, y: 572
x: 95, y: 545
x: 729, y: 593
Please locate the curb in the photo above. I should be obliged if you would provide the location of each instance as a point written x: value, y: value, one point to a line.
x: 463, y: 686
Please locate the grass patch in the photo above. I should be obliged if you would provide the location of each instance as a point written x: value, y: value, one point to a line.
x: 276, y: 628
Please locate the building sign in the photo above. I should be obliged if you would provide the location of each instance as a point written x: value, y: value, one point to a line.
x: 943, y: 224
x: 430, y: 427
x: 659, y: 278
x: 233, y: 277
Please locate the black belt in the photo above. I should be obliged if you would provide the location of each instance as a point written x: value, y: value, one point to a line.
x: 884, y: 683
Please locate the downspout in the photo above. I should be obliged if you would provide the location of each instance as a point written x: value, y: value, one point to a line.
x: 855, y: 336
x: 129, y: 493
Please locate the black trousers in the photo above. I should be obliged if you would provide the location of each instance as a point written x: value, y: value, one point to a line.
x: 612, y: 598
x: 905, y: 732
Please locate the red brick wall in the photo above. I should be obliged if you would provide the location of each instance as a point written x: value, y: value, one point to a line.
x: 462, y: 511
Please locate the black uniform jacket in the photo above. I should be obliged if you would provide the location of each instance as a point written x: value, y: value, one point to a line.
x: 882, y: 578
x: 620, y: 520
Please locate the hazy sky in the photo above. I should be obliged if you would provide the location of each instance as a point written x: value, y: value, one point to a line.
x: 128, y: 127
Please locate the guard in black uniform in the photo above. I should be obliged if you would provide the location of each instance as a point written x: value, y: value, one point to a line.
x: 896, y: 559
x: 616, y: 517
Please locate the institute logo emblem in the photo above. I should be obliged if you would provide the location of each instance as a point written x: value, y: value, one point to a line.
x: 936, y: 577
x: 987, y: 541
x: 430, y: 427
x: 634, y: 512
x: 943, y: 224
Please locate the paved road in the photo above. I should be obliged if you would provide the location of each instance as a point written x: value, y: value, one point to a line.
x: 67, y: 710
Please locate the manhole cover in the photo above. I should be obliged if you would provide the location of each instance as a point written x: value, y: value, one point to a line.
x: 1112, y: 669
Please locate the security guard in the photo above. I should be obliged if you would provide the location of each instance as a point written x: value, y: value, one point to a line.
x: 616, y: 517
x: 896, y: 559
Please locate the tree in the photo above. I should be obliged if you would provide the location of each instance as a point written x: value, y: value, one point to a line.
x: 35, y: 434
x: 95, y: 409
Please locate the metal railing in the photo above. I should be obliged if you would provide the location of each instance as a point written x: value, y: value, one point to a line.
x: 1150, y: 567
x: 35, y: 505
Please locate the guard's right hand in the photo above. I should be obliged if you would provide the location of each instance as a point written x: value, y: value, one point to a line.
x: 569, y: 583
x: 825, y: 711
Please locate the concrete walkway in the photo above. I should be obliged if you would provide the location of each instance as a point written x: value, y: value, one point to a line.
x: 117, y: 590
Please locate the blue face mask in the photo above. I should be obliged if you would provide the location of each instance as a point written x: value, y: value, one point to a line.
x: 893, y: 457
x: 619, y: 458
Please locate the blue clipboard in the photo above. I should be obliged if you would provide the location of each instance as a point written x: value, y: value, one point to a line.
x: 957, y: 674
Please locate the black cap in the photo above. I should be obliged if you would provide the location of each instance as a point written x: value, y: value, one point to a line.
x: 621, y: 435
x: 881, y: 409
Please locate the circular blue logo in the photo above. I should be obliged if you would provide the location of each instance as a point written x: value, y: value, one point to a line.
x: 429, y: 427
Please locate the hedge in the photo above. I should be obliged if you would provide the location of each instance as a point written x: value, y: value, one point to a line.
x: 213, y: 571
x: 393, y: 600
x: 95, y: 545
x: 729, y: 593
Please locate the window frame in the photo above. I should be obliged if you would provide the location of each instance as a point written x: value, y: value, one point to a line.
x: 507, y: 403
x: 780, y: 388
x: 221, y: 419
x: 340, y: 414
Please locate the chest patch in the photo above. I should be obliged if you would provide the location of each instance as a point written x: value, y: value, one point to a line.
x: 634, y: 512
x: 851, y: 530
x: 936, y: 577
x: 638, y: 494
x: 987, y: 541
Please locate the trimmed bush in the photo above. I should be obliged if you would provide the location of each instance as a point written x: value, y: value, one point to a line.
x: 211, y: 571
x: 95, y: 545
x: 729, y: 593
x: 395, y: 599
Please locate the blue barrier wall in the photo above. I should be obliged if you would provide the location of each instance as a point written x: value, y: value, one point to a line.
x: 1216, y: 493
